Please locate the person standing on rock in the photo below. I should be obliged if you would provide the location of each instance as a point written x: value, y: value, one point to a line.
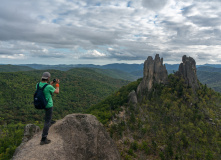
x: 48, y: 91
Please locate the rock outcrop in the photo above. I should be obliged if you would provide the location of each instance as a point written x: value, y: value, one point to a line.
x: 76, y: 137
x: 29, y: 131
x: 154, y: 72
x: 132, y: 97
x: 187, y: 70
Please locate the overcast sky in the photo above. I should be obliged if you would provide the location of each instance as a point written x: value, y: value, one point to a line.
x: 109, y: 31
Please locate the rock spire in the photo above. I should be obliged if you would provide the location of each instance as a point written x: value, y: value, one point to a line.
x: 154, y: 72
x: 187, y: 70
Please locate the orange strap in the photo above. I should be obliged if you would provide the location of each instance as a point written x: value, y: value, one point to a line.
x: 57, y: 85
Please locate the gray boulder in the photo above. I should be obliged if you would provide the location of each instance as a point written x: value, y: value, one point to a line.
x: 132, y: 97
x: 29, y: 131
x: 75, y: 137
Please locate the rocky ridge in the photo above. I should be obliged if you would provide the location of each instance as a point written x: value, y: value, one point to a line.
x: 155, y: 72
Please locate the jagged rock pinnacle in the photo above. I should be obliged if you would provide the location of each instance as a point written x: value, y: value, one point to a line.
x: 154, y: 72
x: 187, y: 70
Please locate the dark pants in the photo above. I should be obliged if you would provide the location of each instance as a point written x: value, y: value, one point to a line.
x: 48, y: 116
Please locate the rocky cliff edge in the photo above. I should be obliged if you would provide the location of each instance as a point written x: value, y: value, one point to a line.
x: 75, y: 137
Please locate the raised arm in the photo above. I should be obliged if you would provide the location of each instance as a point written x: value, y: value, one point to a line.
x: 56, y: 86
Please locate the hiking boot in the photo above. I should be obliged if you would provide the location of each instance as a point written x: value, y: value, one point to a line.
x: 45, y: 141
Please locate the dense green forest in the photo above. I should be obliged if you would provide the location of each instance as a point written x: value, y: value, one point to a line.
x: 79, y: 88
x: 171, y: 122
x: 118, y: 74
x: 10, y: 137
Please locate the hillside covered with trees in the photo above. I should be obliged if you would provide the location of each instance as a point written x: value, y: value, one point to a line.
x: 170, y: 123
x: 79, y: 88
x: 211, y: 79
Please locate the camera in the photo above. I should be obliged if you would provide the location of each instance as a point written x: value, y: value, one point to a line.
x: 54, y: 80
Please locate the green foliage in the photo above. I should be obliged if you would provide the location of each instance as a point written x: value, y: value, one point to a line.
x: 145, y: 147
x: 130, y: 152
x: 134, y: 146
x: 209, y: 155
x: 10, y: 137
x: 107, y: 108
x: 116, y: 74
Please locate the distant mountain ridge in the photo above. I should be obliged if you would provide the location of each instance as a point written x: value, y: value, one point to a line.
x: 118, y: 66
x: 209, y: 69
x: 129, y: 72
x: 14, y: 68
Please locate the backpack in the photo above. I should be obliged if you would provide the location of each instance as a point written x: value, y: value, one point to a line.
x: 39, y: 98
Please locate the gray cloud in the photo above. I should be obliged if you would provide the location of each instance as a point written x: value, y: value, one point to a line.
x: 188, y: 10
x: 205, y: 21
x: 88, y: 29
x: 6, y: 52
x: 49, y: 55
x: 154, y: 5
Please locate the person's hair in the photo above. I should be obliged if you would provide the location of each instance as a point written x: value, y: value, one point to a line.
x: 44, y: 79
